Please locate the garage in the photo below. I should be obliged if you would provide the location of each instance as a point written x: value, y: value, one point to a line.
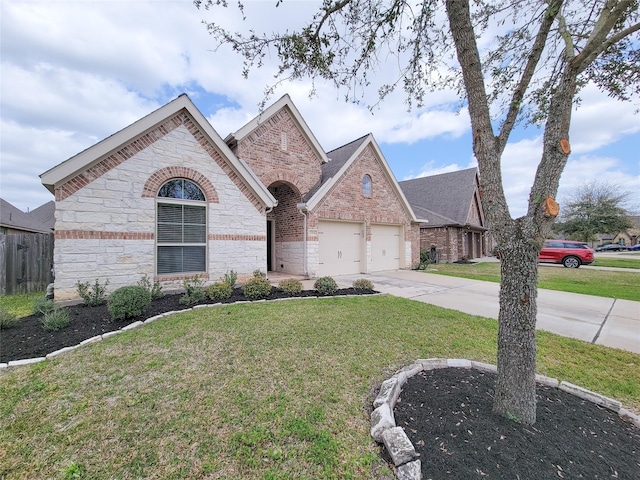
x: 386, y: 243
x: 341, y: 247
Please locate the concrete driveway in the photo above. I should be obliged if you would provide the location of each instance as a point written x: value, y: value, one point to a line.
x: 599, y: 320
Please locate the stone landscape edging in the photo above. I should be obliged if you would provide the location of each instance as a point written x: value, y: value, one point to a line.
x: 402, y: 452
x: 139, y: 323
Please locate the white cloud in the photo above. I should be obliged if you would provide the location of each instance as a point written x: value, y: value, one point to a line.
x: 74, y: 73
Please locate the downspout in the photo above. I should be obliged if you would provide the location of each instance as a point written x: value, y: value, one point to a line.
x: 302, y: 208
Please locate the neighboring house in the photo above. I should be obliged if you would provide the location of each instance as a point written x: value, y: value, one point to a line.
x: 167, y: 197
x: 632, y: 235
x: 26, y: 248
x: 14, y: 220
x: 449, y: 207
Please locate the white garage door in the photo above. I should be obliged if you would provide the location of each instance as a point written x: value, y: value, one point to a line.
x: 340, y: 245
x: 385, y: 247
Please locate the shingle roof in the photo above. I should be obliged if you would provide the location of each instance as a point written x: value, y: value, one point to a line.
x: 12, y: 217
x: 45, y: 215
x: 337, y: 158
x: 442, y: 199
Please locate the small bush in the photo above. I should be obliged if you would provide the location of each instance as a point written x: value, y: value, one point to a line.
x: 230, y: 278
x: 193, y: 291
x: 290, y: 286
x: 55, y: 320
x: 219, y: 291
x: 363, y: 284
x: 155, y: 289
x: 256, y: 287
x: 92, y: 295
x: 127, y: 302
x: 325, y: 286
x: 7, y: 319
x: 43, y: 305
x: 259, y: 274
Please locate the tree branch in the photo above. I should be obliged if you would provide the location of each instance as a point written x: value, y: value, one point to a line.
x: 328, y: 11
x: 611, y: 13
x: 534, y: 57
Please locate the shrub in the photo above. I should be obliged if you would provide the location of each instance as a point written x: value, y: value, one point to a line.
x: 155, y: 289
x: 219, y: 291
x: 193, y: 291
x: 43, y: 305
x: 363, y: 284
x: 325, y: 286
x: 256, y: 287
x: 290, y: 286
x: 128, y: 302
x: 230, y: 278
x: 259, y: 274
x: 7, y: 319
x: 92, y: 295
x: 55, y: 320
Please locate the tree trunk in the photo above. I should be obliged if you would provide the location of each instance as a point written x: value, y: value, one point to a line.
x: 515, y: 395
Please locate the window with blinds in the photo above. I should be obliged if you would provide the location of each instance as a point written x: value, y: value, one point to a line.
x: 181, y: 231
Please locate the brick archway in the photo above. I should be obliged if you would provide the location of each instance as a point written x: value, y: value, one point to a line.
x: 159, y: 177
x: 286, y: 176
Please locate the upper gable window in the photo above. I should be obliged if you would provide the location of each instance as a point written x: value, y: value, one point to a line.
x: 181, y: 188
x: 181, y: 228
x: 366, y: 185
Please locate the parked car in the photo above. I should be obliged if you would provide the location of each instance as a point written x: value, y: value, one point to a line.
x: 568, y: 253
x: 634, y: 248
x: 612, y: 247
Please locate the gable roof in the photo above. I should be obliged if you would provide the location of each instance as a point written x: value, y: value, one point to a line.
x: 75, y: 165
x: 284, y: 102
x: 14, y: 218
x: 442, y: 199
x: 45, y: 214
x: 341, y: 159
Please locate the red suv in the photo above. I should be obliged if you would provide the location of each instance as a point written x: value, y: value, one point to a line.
x: 568, y: 253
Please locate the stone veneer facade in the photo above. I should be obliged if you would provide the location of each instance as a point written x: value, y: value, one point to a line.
x: 105, y: 217
x: 106, y: 214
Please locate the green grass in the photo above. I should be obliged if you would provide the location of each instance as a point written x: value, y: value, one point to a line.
x: 20, y: 305
x: 602, y: 283
x: 275, y: 390
x: 617, y: 262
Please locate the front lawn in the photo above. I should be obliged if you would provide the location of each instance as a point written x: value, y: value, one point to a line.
x: 271, y: 390
x: 602, y: 283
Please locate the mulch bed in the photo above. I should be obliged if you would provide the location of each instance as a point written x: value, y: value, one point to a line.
x: 447, y: 415
x: 28, y: 339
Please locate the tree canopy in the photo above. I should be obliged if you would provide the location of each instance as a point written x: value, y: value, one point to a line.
x: 509, y: 61
x: 592, y: 209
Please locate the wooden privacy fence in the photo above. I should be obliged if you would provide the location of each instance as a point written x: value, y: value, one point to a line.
x: 26, y: 261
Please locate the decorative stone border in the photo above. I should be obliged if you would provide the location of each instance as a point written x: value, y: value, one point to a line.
x: 131, y: 326
x: 403, y: 454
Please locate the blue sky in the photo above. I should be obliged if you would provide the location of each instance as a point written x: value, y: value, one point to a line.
x: 73, y: 73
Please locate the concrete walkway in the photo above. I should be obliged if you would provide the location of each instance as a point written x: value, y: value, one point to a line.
x: 599, y: 320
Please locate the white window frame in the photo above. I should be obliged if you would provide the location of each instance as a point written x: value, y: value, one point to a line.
x: 368, y: 185
x: 204, y: 244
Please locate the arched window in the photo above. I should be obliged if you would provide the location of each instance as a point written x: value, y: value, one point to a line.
x: 366, y: 185
x: 181, y: 225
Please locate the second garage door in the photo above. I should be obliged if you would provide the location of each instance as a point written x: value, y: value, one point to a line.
x: 340, y: 245
x: 386, y: 241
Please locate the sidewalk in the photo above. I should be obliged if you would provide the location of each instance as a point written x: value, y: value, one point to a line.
x: 599, y: 320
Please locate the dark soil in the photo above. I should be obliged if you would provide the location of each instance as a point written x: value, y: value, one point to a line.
x: 28, y: 339
x: 447, y: 416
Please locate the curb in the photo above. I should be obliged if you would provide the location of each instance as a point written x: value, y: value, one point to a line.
x: 402, y: 452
